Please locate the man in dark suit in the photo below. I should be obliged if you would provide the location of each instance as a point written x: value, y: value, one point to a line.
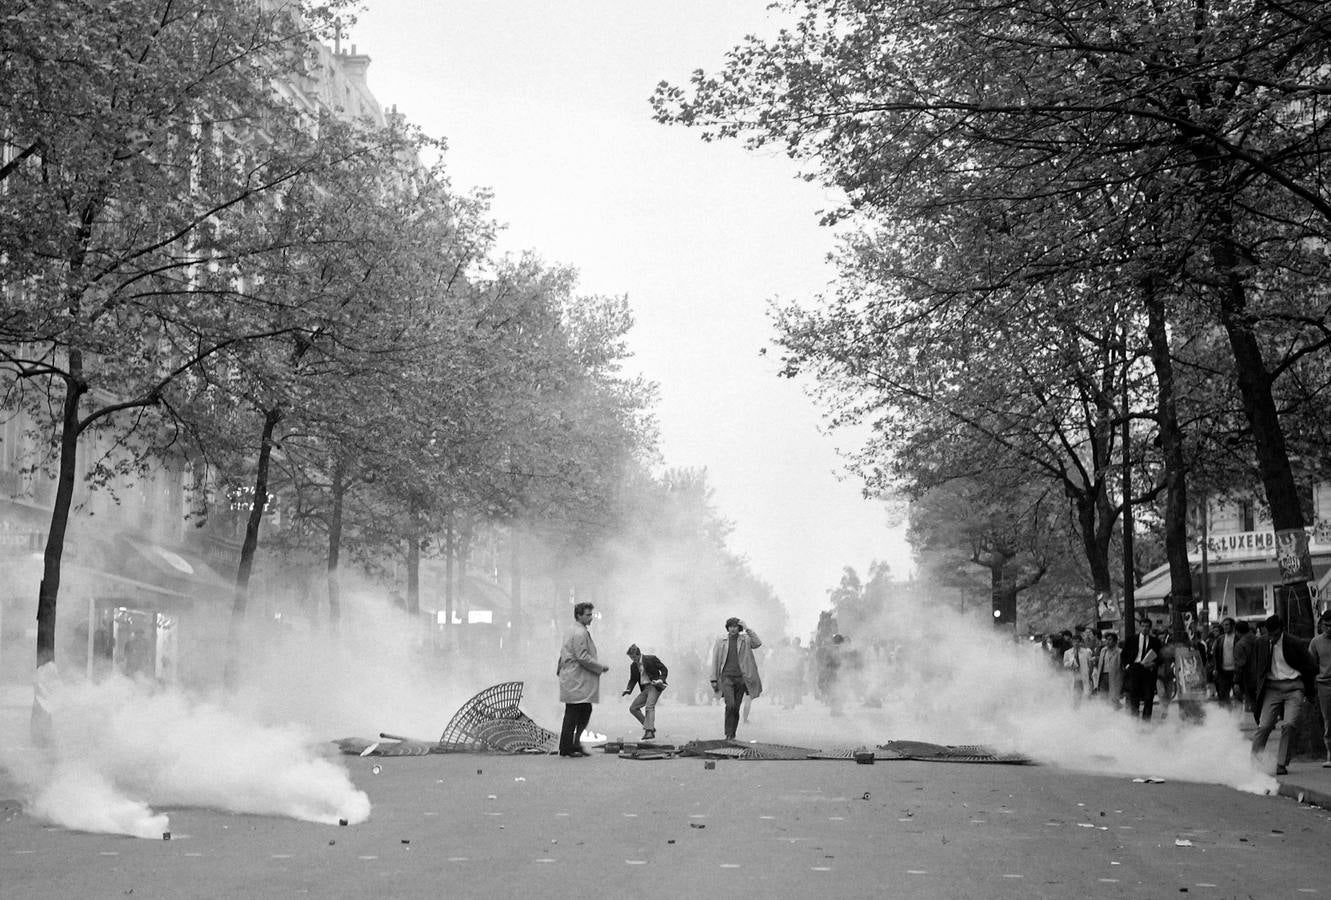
x: 1141, y: 655
x: 1278, y: 676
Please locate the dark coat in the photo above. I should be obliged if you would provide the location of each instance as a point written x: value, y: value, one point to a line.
x: 1257, y: 668
x: 651, y: 671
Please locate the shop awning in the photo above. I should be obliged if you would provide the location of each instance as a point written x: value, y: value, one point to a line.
x: 176, y: 566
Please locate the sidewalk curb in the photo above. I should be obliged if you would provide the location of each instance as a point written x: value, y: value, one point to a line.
x: 1309, y: 796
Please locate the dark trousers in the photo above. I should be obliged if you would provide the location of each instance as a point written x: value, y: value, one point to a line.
x: 576, y: 717
x: 1224, y: 685
x: 732, y: 691
x: 1139, y: 681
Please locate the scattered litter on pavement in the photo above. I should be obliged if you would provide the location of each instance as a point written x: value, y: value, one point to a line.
x: 376, y: 770
x: 1150, y: 779
x: 696, y: 825
x: 519, y: 778
x: 866, y: 795
x: 1182, y: 842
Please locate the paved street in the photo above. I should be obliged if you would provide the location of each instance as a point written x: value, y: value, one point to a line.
x: 493, y: 826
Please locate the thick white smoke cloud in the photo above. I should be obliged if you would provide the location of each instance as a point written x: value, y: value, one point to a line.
x: 949, y: 678
x: 122, y: 747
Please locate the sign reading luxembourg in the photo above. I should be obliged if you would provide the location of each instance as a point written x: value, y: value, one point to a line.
x: 1269, y: 545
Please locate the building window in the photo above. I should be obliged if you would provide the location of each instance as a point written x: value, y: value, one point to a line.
x: 1247, y: 521
x: 1249, y: 601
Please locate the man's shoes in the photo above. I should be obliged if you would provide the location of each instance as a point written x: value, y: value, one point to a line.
x: 1327, y: 764
x: 1282, y: 770
x: 649, y: 735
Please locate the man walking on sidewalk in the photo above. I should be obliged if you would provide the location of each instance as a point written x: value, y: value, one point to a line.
x: 1278, y: 675
x: 1320, y: 651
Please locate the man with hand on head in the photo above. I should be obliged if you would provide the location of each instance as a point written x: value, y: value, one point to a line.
x: 649, y: 673
x: 735, y: 671
x: 579, y: 680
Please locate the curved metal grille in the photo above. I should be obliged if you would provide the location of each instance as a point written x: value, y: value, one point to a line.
x: 491, y: 720
x: 969, y: 753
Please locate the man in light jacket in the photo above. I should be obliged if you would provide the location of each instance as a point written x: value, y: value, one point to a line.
x: 579, y: 680
x: 735, y: 671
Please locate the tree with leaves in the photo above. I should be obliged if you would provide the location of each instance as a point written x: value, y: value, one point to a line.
x: 917, y: 108
x: 121, y: 196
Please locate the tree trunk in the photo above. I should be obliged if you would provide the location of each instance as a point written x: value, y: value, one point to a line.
x: 450, y: 580
x: 515, y: 588
x: 241, y: 595
x: 49, y: 591
x: 414, y: 563
x: 1259, y: 407
x: 338, y: 491
x: 1175, y: 468
x: 1095, y: 537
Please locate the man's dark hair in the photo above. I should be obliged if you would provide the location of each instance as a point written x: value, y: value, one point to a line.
x: 1274, y: 623
x: 733, y: 620
x: 580, y: 608
x: 1242, y: 626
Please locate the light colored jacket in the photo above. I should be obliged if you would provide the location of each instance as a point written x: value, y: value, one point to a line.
x: 579, y: 671
x: 748, y: 641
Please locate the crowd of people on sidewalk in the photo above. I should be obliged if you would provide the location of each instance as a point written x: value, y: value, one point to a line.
x: 1271, y: 673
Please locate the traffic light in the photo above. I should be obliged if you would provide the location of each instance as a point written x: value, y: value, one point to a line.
x: 1005, y: 608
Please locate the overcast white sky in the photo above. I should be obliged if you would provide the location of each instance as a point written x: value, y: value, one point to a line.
x: 546, y: 104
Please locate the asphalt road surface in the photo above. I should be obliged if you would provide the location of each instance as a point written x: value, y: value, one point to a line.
x: 504, y: 826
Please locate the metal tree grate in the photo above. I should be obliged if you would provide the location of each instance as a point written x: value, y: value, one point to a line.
x: 744, y: 750
x: 880, y: 754
x: 968, y: 753
x: 491, y: 720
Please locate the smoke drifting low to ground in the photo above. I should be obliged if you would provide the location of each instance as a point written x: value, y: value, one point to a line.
x: 126, y: 750
x: 947, y: 678
x: 122, y: 748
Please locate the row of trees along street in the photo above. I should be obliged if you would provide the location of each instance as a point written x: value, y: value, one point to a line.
x: 285, y: 300
x: 1084, y: 269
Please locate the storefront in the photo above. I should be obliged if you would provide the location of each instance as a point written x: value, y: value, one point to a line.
x: 1237, y: 575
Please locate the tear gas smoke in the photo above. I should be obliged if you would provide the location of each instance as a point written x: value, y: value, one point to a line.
x: 121, y: 747
x: 939, y: 676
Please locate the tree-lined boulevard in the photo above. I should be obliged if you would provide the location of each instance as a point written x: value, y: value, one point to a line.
x: 248, y: 319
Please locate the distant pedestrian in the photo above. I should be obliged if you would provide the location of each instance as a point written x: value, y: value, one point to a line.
x: 579, y: 680
x: 1320, y: 650
x: 648, y: 675
x: 735, y: 671
x: 1077, y: 660
x: 828, y: 658
x: 1140, y: 657
x: 1111, y: 670
x: 1278, y: 676
x: 1223, y: 660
